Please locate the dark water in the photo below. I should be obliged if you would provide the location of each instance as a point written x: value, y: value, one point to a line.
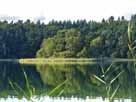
x: 104, y: 80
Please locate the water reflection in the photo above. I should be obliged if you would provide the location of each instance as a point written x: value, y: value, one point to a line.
x: 80, y: 81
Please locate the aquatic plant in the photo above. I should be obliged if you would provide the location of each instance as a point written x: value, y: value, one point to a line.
x: 28, y: 92
x: 131, y: 43
x: 108, y: 81
x: 59, y: 88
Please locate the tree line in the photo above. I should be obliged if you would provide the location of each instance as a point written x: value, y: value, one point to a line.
x: 108, y: 38
x: 80, y: 38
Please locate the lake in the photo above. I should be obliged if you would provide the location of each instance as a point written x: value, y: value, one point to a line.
x: 68, y: 80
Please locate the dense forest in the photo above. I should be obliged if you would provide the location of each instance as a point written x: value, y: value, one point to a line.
x: 80, y: 38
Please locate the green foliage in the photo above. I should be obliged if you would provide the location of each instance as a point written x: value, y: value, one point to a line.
x: 64, y: 54
x: 97, y: 39
x: 83, y: 52
x: 66, y: 43
x: 89, y: 39
x: 48, y: 49
x: 95, y: 42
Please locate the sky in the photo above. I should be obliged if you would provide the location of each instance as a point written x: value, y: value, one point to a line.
x: 46, y: 10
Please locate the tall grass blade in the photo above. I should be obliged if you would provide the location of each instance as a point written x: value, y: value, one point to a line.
x: 116, y: 77
x: 13, y: 87
x: 134, y: 42
x: 103, y: 72
x: 61, y: 92
x: 108, y: 89
x: 26, y: 79
x: 108, y: 69
x: 131, y: 50
x: 114, y: 93
x: 102, y: 81
x: 56, y: 88
x: 17, y: 86
x: 129, y: 32
x: 112, y: 71
x: 28, y: 84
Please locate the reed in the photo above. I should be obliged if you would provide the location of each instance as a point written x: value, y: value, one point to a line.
x: 108, y: 83
x: 28, y: 92
x: 59, y: 88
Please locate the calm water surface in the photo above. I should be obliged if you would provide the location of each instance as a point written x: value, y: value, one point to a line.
x: 86, y: 82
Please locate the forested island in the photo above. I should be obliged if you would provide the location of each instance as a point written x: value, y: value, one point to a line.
x: 65, y: 39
